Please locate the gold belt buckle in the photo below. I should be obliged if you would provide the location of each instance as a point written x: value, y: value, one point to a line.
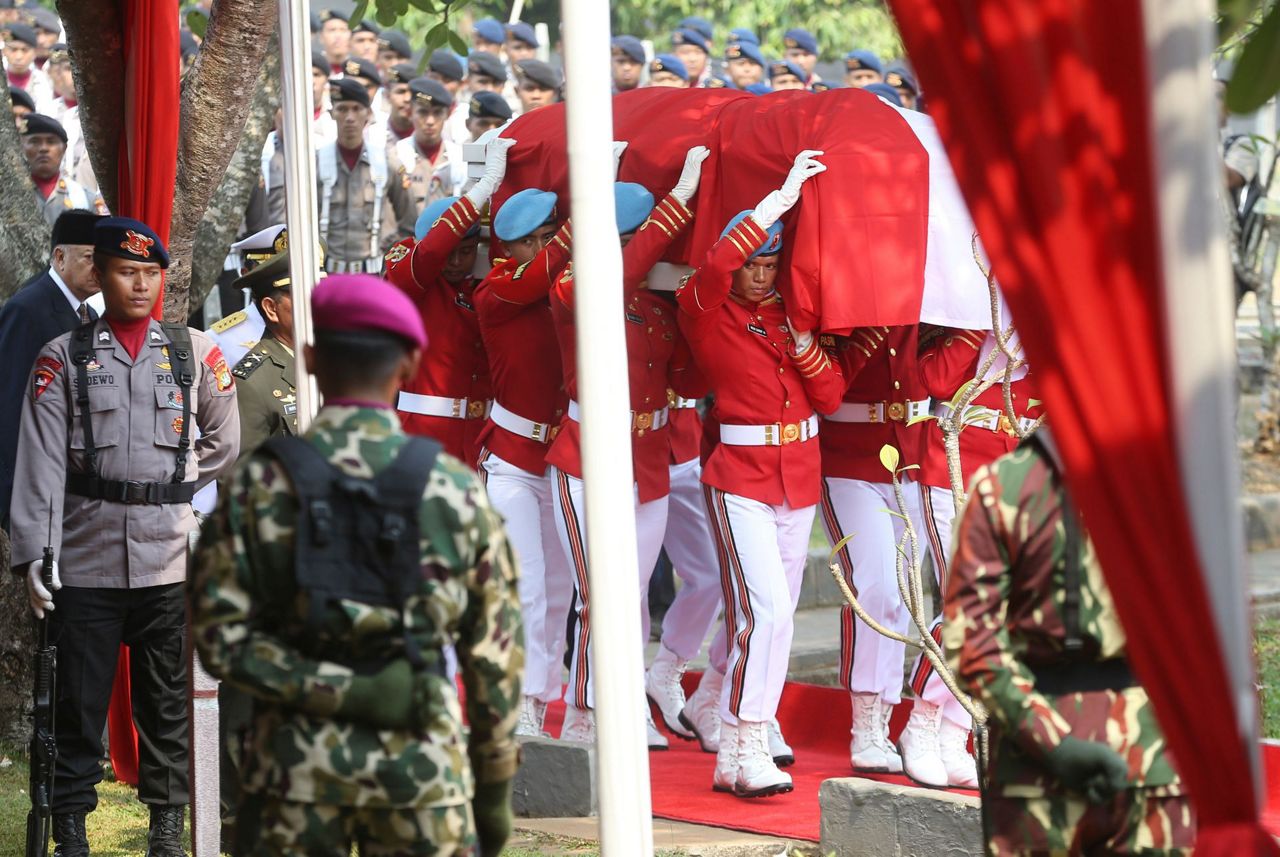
x: 1005, y: 425
x: 555, y: 430
x: 643, y: 421
x: 671, y: 398
x: 475, y: 410
x: 790, y: 432
x: 897, y: 411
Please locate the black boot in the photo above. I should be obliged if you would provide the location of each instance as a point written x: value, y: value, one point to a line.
x: 68, y: 833
x: 165, y: 837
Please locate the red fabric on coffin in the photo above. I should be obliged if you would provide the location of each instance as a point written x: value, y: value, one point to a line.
x: 814, y: 720
x: 148, y: 170
x: 854, y: 247
x: 1055, y: 156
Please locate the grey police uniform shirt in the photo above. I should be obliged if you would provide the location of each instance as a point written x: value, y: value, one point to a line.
x: 136, y: 408
x: 351, y: 209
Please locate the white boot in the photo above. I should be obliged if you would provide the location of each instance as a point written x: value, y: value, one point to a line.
x: 868, y: 751
x: 662, y: 686
x: 921, y: 752
x: 779, y: 749
x: 579, y: 725
x: 758, y: 776
x: 657, y: 741
x: 532, y: 713
x: 726, y: 757
x: 962, y: 771
x: 890, y: 749
x: 701, y: 714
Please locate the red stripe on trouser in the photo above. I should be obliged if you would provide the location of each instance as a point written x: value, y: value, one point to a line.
x: 924, y: 668
x: 582, y: 639
x: 936, y: 547
x: 737, y: 587
x: 848, y: 623
x: 480, y: 471
x: 726, y: 592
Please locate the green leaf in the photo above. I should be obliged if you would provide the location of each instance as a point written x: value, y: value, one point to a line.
x: 457, y: 44
x: 896, y: 514
x: 1031, y: 403
x: 386, y: 14
x: 1257, y: 75
x: 907, y: 467
x: 889, y: 457
x: 964, y: 388
x: 920, y: 419
x: 436, y: 37
x: 197, y: 24
x: 1233, y: 13
x: 362, y: 9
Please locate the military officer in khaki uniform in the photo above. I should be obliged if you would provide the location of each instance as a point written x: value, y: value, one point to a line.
x: 265, y: 377
x: 44, y: 144
x: 418, y: 164
x: 354, y: 187
x: 108, y: 461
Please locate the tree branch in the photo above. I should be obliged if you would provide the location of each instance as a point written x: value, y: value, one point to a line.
x: 24, y: 235
x: 216, y: 97
x: 96, y: 42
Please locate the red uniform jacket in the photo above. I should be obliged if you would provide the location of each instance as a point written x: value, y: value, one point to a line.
x: 652, y: 335
x: 949, y: 361
x: 880, y: 365
x: 524, y: 359
x: 455, y: 365
x: 745, y: 351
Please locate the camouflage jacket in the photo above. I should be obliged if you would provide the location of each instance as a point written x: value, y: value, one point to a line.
x: 249, y: 624
x: 1004, y: 619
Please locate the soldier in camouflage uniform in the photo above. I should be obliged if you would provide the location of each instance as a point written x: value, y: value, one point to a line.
x: 1078, y: 763
x: 372, y: 752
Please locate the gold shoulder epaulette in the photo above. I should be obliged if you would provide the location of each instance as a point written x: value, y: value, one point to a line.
x: 222, y: 325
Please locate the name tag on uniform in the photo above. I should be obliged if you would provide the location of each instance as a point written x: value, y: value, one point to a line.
x: 758, y: 330
x: 635, y: 318
x: 290, y: 410
x: 464, y: 303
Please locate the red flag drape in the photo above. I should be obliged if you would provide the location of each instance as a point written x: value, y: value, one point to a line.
x: 1053, y: 150
x: 148, y: 170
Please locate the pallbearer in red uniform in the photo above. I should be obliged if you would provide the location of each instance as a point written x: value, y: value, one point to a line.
x: 883, y: 396
x: 762, y: 478
x: 528, y: 403
x: 449, y: 399
x: 950, y: 359
x: 652, y: 340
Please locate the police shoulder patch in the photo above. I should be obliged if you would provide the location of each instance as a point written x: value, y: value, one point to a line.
x: 222, y: 325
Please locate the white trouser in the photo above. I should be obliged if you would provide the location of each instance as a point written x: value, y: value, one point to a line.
x: 571, y: 522
x: 693, y: 555
x: 937, y: 513
x: 762, y: 552
x: 869, y: 661
x: 546, y: 582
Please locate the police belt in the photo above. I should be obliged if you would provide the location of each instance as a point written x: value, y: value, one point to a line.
x: 129, y: 492
x: 1083, y: 677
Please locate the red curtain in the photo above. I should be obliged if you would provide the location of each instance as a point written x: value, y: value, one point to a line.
x: 148, y: 171
x: 857, y: 243
x: 1043, y: 107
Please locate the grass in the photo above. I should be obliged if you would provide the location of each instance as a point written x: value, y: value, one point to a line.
x: 1266, y: 647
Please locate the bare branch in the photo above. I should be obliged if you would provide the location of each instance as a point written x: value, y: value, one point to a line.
x: 95, y: 40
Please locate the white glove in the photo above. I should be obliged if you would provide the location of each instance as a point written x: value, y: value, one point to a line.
x: 495, y: 167
x: 802, y: 338
x: 780, y: 201
x: 619, y: 146
x: 41, y: 599
x: 691, y: 174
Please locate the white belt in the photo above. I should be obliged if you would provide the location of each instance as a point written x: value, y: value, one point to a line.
x: 990, y: 419
x: 441, y: 406
x: 878, y: 412
x: 641, y: 421
x: 360, y: 266
x: 778, y: 434
x: 679, y: 402
x: 516, y: 424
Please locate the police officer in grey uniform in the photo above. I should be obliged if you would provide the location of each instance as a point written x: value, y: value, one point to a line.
x: 419, y: 163
x: 108, y: 461
x: 354, y: 187
x: 44, y: 144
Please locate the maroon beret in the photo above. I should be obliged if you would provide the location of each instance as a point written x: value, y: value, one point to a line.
x: 363, y: 302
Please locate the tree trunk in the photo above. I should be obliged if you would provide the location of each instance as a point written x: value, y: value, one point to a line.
x: 24, y: 236
x: 221, y: 220
x: 95, y: 39
x: 17, y: 646
x: 217, y: 95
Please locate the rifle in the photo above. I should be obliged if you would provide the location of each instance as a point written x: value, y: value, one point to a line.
x: 44, y: 748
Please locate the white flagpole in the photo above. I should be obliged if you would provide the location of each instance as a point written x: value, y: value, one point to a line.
x: 300, y: 186
x: 1200, y: 324
x: 622, y: 751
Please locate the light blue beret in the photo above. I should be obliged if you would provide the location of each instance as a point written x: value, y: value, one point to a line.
x: 631, y: 203
x: 772, y: 242
x: 432, y: 213
x: 523, y: 213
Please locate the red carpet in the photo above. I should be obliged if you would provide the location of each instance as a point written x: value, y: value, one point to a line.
x: 815, y: 721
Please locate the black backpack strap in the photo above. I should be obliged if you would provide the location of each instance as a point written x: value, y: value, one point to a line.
x: 81, y: 354
x: 400, y: 486
x: 1073, y: 565
x: 180, y: 339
